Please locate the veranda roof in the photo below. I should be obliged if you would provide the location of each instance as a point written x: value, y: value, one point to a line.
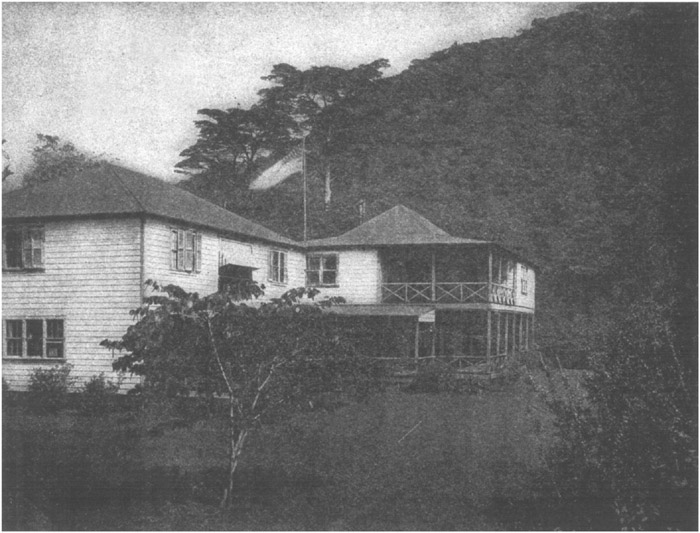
x: 399, y: 225
x: 112, y: 190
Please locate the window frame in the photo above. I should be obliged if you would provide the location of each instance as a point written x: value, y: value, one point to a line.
x: 47, y: 341
x: 278, y: 273
x: 185, y: 250
x: 28, y: 243
x: 322, y: 269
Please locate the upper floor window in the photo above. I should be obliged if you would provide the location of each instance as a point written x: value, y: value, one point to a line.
x: 23, y: 248
x: 523, y: 281
x: 185, y: 250
x: 35, y: 338
x: 277, y: 267
x: 322, y: 269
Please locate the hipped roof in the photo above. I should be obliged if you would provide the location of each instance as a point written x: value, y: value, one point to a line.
x: 399, y: 225
x: 108, y: 189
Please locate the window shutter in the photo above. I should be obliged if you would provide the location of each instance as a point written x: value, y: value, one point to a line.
x: 270, y: 265
x: 180, y: 249
x: 189, y: 251
x: 198, y: 252
x: 283, y: 267
x: 26, y: 249
x: 173, y: 250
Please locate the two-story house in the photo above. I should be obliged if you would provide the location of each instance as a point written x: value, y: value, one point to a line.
x: 77, y: 251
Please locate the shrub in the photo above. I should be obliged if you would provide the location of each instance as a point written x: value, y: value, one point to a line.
x: 435, y: 377
x: 96, y: 394
x: 48, y: 387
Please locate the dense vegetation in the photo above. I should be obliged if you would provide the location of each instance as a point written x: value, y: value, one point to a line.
x: 574, y: 143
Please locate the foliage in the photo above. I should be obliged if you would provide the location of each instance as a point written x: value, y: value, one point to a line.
x: 49, y: 387
x: 52, y: 159
x: 97, y: 395
x: 230, y: 142
x: 265, y: 359
x: 6, y: 171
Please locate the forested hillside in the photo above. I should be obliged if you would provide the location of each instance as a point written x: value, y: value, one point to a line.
x: 574, y: 143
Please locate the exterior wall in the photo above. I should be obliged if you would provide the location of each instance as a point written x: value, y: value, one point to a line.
x: 157, y: 259
x: 359, y: 277
x: 528, y: 274
x: 257, y: 256
x: 90, y: 280
x: 216, y: 250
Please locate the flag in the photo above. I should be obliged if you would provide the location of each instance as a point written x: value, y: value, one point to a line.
x: 280, y: 171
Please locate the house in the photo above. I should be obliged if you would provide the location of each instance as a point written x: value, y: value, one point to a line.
x: 77, y: 251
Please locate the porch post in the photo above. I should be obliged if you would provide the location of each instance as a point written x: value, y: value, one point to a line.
x: 488, y: 289
x: 417, y: 340
x: 488, y: 335
x: 498, y: 334
x: 432, y: 277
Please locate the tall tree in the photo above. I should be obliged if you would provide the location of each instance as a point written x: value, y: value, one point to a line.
x: 324, y: 101
x: 231, y: 141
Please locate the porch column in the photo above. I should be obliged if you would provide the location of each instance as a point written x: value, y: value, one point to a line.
x: 417, y: 340
x: 488, y: 289
x: 432, y: 277
x: 488, y: 335
x: 498, y: 334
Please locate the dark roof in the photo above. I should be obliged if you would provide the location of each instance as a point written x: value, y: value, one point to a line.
x: 399, y: 225
x: 111, y: 190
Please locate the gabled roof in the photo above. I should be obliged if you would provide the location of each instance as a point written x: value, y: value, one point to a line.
x: 399, y: 225
x: 112, y: 190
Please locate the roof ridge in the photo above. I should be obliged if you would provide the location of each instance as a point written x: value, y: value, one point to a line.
x: 127, y: 189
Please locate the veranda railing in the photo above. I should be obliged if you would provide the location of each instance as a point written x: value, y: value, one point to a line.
x: 447, y: 292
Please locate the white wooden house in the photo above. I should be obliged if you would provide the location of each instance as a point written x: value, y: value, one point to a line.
x: 76, y: 253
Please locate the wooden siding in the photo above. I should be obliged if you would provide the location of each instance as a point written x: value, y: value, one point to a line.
x: 528, y: 274
x: 216, y: 248
x: 296, y: 274
x: 90, y: 280
x: 359, y: 277
x: 157, y: 259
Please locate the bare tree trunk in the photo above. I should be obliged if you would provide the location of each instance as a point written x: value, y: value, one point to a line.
x: 237, y: 440
x: 327, y: 182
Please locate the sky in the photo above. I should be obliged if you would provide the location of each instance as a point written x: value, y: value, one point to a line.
x: 124, y: 81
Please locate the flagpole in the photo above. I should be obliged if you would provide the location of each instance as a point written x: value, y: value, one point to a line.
x: 303, y: 170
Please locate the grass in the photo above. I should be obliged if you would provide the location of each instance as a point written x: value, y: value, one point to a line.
x: 396, y: 461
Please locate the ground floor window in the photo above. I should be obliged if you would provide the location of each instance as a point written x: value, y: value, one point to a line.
x: 34, y: 338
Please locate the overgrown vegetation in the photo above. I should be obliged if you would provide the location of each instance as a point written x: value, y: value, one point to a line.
x: 574, y: 143
x: 266, y: 360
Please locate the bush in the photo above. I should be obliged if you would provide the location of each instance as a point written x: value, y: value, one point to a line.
x: 48, y: 387
x: 435, y: 377
x: 97, y: 394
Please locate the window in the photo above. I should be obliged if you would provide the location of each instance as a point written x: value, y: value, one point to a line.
x: 185, y: 250
x: 34, y: 338
x: 23, y: 248
x: 277, y: 267
x: 322, y: 269
x: 523, y: 281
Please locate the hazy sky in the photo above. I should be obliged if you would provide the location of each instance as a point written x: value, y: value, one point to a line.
x: 125, y: 80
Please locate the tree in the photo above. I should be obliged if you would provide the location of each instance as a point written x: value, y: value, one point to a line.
x: 6, y: 171
x: 231, y: 141
x: 324, y: 101
x: 264, y: 360
x: 53, y: 159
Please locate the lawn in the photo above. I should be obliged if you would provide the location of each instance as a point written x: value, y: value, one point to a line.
x: 395, y: 461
